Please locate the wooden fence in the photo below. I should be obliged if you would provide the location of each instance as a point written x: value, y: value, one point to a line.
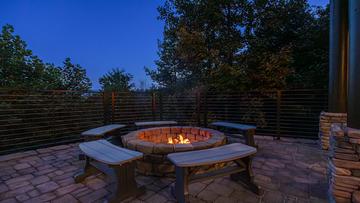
x: 34, y: 119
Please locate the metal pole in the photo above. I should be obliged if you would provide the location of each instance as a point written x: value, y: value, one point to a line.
x: 198, y: 107
x: 112, y: 106
x: 205, y: 109
x: 161, y: 106
x: 338, y: 56
x: 106, y: 108
x: 153, y: 105
x: 278, y: 111
x: 354, y: 65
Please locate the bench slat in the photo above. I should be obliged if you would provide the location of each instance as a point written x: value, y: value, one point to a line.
x: 103, y: 151
x: 104, y: 154
x: 233, y: 125
x: 97, y: 155
x: 112, y: 150
x: 155, y: 123
x: 102, y: 130
x: 127, y: 151
x: 221, y: 154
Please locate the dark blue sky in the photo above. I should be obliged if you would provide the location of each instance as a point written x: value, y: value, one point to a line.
x: 99, y: 35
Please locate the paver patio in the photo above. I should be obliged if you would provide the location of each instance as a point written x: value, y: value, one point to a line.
x: 289, y: 170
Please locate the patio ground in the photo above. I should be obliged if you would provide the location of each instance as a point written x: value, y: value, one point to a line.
x: 289, y: 170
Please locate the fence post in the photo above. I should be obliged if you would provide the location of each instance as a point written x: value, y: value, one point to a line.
x: 278, y: 109
x: 106, y: 108
x: 198, y: 106
x: 153, y: 105
x: 205, y: 109
x: 160, y: 106
x: 112, y: 106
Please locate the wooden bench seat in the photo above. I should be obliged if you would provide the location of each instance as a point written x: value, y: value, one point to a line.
x: 187, y: 165
x: 211, y: 156
x: 247, y: 131
x: 105, y: 152
x: 98, y: 133
x: 117, y: 162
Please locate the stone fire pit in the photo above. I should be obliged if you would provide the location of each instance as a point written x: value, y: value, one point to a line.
x: 155, y: 143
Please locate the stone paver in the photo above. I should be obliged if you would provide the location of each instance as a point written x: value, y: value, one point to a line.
x: 289, y: 170
x: 47, y: 187
x: 21, y: 166
x: 65, y: 199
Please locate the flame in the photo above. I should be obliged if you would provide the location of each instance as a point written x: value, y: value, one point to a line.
x: 170, y: 141
x: 178, y: 140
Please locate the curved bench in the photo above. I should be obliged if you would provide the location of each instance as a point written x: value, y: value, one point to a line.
x: 98, y: 133
x: 117, y: 162
x: 187, y: 162
x: 247, y: 131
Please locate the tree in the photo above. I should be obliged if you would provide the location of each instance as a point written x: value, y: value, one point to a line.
x: 73, y: 77
x: 19, y: 68
x: 116, y: 80
x: 242, y: 44
x: 202, y: 40
x: 296, y: 35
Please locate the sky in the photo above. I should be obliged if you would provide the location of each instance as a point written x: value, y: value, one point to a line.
x: 98, y: 35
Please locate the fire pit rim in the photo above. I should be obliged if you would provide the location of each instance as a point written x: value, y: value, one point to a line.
x: 155, y: 160
x: 134, y: 142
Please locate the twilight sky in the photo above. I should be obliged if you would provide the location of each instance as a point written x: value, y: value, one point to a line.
x: 98, y: 35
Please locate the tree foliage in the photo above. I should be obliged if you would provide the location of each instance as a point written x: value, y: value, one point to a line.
x: 242, y: 44
x: 19, y: 68
x: 73, y: 77
x: 295, y: 36
x: 116, y: 80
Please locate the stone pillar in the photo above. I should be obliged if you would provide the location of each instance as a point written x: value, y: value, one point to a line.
x: 344, y: 153
x: 326, y: 120
x: 338, y: 70
x: 344, y: 164
x: 354, y: 65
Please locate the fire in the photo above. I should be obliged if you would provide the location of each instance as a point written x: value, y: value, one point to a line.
x: 170, y: 141
x: 178, y: 140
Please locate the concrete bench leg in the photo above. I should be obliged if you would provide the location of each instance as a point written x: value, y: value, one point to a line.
x: 181, y: 185
x: 125, y: 182
x: 249, y: 137
x: 81, y: 157
x: 87, y: 171
x: 246, y: 178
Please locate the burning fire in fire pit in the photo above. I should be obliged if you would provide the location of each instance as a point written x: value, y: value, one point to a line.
x: 157, y: 143
x: 178, y: 140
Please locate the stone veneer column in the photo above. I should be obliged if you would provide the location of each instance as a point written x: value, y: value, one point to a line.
x: 344, y: 164
x: 326, y: 120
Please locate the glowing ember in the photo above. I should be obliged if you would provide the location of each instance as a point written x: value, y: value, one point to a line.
x: 178, y: 140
